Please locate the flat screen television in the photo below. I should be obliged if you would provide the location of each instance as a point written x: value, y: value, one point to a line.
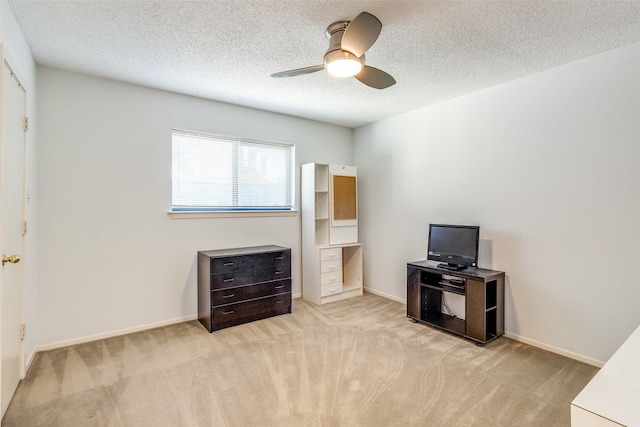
x: 455, y: 246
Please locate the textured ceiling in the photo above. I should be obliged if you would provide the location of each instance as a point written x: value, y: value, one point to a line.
x: 226, y: 50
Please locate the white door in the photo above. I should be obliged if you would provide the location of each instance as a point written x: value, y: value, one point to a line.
x: 12, y: 209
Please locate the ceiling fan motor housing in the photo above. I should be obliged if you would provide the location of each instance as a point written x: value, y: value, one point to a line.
x: 335, y: 32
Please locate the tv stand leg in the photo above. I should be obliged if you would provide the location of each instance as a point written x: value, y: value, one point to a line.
x: 412, y: 320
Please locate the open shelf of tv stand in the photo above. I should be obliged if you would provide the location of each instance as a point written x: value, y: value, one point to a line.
x: 446, y: 322
x: 445, y: 288
x: 484, y: 299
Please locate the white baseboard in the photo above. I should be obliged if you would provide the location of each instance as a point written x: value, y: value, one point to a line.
x: 30, y: 360
x: 552, y: 349
x: 90, y: 338
x: 387, y: 296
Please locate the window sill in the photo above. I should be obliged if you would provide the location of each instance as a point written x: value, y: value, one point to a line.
x: 230, y: 214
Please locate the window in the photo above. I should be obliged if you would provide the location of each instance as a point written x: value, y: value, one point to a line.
x: 214, y: 173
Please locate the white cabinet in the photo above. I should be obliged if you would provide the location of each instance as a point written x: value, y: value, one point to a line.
x: 331, y: 254
x: 612, y: 397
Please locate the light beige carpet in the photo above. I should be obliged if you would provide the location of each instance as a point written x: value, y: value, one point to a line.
x: 358, y: 362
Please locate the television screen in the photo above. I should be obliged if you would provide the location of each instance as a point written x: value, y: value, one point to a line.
x: 455, y: 246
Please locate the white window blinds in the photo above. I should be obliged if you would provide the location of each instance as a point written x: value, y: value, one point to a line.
x: 212, y: 173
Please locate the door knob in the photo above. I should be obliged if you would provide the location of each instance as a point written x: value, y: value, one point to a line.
x: 12, y: 259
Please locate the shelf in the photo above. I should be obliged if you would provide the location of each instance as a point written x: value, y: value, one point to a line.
x: 492, y: 294
x: 322, y: 232
x: 446, y: 322
x: 490, y: 325
x: 322, y: 178
x: 322, y: 205
x: 444, y: 288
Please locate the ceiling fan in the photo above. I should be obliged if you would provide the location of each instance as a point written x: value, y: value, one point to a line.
x: 348, y: 41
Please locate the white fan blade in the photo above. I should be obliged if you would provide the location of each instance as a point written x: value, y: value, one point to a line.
x: 375, y: 78
x: 361, y: 34
x: 299, y: 71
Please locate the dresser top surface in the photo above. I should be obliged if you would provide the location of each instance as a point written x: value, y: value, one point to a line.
x: 243, y: 251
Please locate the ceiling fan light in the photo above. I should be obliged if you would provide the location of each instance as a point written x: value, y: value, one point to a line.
x: 344, y: 67
x: 340, y: 63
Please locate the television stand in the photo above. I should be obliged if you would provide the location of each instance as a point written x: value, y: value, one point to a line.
x: 484, y: 300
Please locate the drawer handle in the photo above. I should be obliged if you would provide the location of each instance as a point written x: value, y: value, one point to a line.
x: 228, y: 280
x: 332, y: 255
x: 279, y: 257
x: 332, y: 278
x: 332, y: 267
x: 228, y: 263
x: 228, y: 312
x: 228, y: 296
x: 279, y: 272
x: 280, y: 287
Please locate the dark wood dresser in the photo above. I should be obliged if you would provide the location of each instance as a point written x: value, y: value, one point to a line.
x: 242, y: 285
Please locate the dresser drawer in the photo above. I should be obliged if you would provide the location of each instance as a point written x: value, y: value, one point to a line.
x: 251, y: 308
x: 331, y: 277
x: 247, y: 277
x: 250, y: 262
x: 233, y: 295
x: 330, y: 254
x: 334, y: 288
x: 331, y: 266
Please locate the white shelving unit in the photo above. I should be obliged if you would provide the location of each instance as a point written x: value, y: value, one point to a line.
x: 331, y: 254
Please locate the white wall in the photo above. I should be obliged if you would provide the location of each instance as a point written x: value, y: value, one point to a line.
x: 548, y: 166
x: 111, y: 259
x: 15, y: 46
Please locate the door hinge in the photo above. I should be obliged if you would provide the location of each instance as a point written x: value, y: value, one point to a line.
x: 26, y: 123
x: 23, y: 331
x: 24, y: 228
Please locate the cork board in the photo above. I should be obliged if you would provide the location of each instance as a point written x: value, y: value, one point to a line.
x: 344, y: 197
